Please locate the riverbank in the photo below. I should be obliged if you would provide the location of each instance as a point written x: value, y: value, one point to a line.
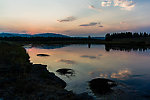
x: 145, y: 41
x: 22, y: 80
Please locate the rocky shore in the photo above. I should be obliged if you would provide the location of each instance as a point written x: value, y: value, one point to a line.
x: 22, y: 80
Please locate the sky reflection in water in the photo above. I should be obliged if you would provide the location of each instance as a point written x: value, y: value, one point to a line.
x: 128, y: 68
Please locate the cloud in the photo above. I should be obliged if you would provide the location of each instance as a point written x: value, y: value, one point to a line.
x: 68, y: 31
x: 122, y: 74
x: 90, y: 57
x: 123, y: 22
x: 68, y: 19
x: 106, y: 3
x: 98, y: 24
x: 124, y: 4
x: 91, y: 24
x: 24, y: 31
x: 66, y: 61
x: 93, y: 7
x: 101, y: 26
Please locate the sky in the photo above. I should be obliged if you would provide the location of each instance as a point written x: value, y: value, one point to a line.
x: 74, y: 17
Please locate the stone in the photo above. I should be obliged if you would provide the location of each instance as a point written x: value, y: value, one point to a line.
x: 43, y: 55
x: 102, y: 85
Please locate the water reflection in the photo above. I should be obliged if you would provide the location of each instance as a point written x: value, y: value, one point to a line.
x: 89, y: 45
x: 52, y: 46
x: 66, y: 72
x: 103, y: 75
x: 102, y: 86
x: 88, y: 56
x: 122, y: 74
x: 128, y: 68
x: 127, y: 48
x: 67, y: 61
x: 108, y: 47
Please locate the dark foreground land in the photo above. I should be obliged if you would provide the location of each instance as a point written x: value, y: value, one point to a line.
x: 22, y: 80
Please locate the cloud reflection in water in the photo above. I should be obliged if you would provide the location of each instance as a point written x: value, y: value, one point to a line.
x: 67, y: 61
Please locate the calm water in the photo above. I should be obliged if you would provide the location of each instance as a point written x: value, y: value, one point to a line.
x: 130, y: 68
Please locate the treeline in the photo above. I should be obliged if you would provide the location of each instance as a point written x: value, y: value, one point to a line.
x: 45, y: 39
x: 122, y: 35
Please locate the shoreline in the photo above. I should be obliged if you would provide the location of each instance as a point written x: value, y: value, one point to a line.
x: 125, y: 41
x: 23, y: 80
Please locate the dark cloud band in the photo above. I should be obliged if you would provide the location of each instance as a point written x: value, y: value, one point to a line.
x: 68, y: 19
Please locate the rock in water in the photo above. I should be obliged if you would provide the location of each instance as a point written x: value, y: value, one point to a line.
x: 101, y: 85
x: 65, y: 71
x: 43, y: 55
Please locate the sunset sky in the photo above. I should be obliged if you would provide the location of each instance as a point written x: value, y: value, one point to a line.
x: 74, y: 17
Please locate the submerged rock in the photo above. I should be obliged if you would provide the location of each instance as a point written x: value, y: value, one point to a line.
x: 101, y: 85
x: 66, y: 72
x: 43, y: 55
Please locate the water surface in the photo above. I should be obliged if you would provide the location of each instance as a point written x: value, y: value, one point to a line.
x: 129, y: 67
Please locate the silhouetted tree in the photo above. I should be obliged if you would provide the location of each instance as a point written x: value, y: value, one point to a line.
x: 121, y: 35
x: 89, y: 37
x: 108, y: 37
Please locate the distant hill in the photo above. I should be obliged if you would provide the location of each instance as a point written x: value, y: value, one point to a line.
x: 45, y: 35
x: 49, y: 35
x: 14, y: 35
x: 35, y: 35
